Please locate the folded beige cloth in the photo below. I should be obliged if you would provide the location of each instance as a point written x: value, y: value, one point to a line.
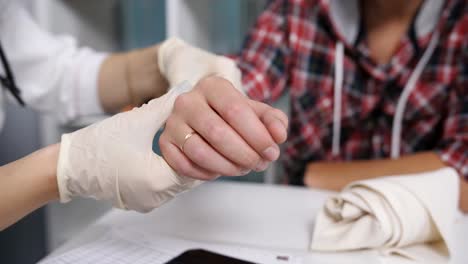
x: 393, y: 214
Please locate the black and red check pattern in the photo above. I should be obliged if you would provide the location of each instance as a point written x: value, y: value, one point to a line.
x: 292, y: 48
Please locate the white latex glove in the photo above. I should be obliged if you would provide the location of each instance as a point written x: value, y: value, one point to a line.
x: 113, y: 159
x: 179, y: 61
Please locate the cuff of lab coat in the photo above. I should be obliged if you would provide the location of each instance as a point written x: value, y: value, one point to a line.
x: 89, y: 103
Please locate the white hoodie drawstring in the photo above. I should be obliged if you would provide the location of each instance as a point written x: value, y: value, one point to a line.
x: 337, y: 91
x: 400, y: 108
x: 410, y: 85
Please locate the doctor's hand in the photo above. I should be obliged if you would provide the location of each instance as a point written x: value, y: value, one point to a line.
x: 113, y: 159
x: 215, y: 130
x: 179, y: 62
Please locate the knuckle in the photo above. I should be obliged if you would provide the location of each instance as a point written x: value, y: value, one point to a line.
x: 197, y: 154
x: 182, y: 101
x: 205, y: 83
x: 213, y: 82
x: 216, y: 133
x: 250, y: 161
x: 283, y: 117
x: 277, y: 114
x: 280, y: 114
x: 233, y: 110
x: 170, y: 124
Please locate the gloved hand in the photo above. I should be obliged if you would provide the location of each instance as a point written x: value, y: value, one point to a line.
x: 113, y: 159
x: 179, y: 61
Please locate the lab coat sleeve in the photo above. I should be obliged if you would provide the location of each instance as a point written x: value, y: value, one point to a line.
x: 53, y: 73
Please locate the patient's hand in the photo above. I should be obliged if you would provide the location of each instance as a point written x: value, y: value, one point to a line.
x: 233, y: 133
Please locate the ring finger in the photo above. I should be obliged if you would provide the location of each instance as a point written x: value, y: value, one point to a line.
x: 201, y: 153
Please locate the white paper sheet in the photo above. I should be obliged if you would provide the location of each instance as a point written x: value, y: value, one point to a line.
x: 121, y: 247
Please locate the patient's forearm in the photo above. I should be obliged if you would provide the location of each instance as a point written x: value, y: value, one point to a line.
x: 335, y: 176
x: 464, y: 195
x: 27, y: 184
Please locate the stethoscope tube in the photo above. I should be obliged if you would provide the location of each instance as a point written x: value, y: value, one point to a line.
x: 8, y: 81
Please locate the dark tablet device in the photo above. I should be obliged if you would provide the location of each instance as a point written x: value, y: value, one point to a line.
x: 201, y: 256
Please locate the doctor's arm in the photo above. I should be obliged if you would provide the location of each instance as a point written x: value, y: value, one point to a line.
x: 111, y: 160
x: 130, y: 79
x: 28, y: 184
x: 57, y: 75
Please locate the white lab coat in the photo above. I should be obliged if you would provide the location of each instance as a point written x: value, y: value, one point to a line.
x: 52, y: 72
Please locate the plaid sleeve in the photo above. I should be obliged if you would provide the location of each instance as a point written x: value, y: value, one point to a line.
x: 264, y: 58
x: 453, y: 149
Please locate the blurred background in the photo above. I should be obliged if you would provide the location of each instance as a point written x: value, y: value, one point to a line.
x: 109, y: 25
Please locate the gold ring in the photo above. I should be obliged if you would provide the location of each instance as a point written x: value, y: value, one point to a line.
x: 189, y: 135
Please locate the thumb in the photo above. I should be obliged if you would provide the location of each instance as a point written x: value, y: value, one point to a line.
x: 152, y: 183
x: 169, y: 178
x: 156, y: 111
x: 163, y: 186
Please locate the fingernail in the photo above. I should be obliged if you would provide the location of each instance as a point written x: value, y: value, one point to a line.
x: 282, y: 123
x: 271, y: 153
x: 262, y: 165
x: 244, y: 172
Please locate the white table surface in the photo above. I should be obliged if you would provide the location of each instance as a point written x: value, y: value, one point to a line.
x: 253, y: 215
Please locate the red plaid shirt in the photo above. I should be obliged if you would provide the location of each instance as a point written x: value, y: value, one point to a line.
x: 292, y: 48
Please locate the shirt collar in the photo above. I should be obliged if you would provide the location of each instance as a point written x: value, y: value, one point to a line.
x: 346, y: 17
